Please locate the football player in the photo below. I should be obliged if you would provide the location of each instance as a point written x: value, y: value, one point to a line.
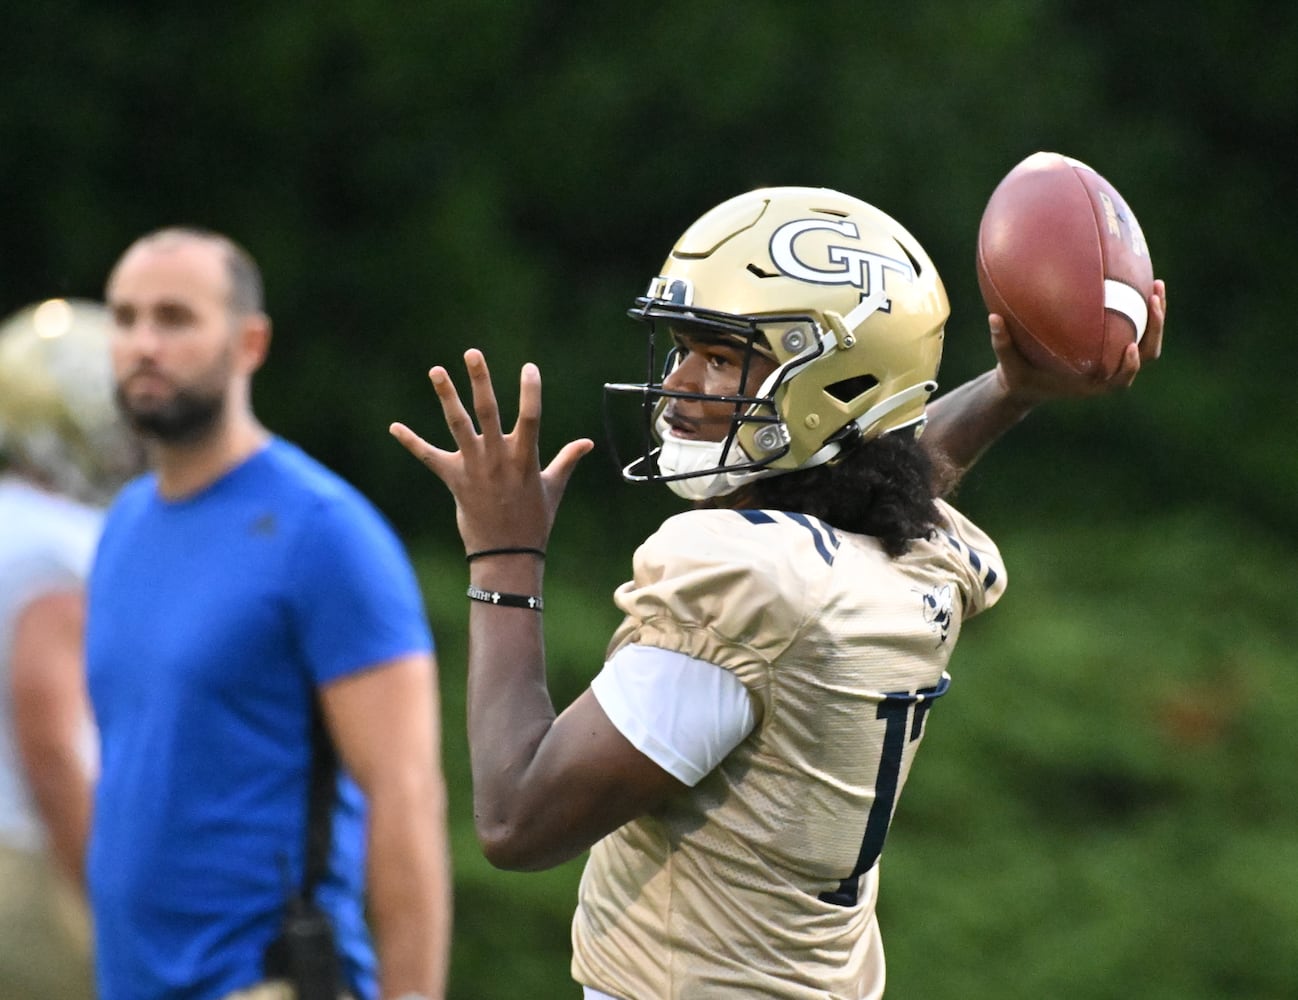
x: 735, y: 765
x: 63, y: 452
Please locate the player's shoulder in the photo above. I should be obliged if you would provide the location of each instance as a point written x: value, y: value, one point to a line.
x: 968, y: 554
x: 40, y: 525
x: 726, y: 561
x: 25, y: 507
x: 763, y: 541
x: 725, y: 585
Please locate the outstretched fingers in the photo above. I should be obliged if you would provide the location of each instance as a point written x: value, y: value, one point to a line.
x: 446, y: 465
x: 485, y: 407
x: 561, y: 467
x: 458, y: 421
x: 433, y: 457
x: 501, y: 491
x: 528, y: 428
x: 528, y: 425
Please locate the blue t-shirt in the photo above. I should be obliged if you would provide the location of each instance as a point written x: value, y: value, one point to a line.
x: 211, y: 622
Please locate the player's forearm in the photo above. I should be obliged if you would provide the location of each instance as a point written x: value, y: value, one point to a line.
x: 509, y: 706
x: 409, y: 886
x: 965, y: 422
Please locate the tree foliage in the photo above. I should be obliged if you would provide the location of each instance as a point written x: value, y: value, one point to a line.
x: 420, y: 178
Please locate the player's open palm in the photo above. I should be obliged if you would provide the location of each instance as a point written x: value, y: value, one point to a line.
x: 503, y: 496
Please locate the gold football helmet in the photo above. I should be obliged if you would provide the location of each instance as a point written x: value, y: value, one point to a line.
x: 58, y: 418
x: 837, y: 293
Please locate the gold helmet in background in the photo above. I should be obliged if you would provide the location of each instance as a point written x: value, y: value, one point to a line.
x: 836, y: 292
x: 58, y: 418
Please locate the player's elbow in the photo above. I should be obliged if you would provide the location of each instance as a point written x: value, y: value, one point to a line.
x: 511, y: 847
x: 504, y: 847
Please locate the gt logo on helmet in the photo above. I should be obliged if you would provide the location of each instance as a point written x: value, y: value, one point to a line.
x: 861, y: 268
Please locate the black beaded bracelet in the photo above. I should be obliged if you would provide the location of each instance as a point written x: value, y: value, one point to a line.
x: 505, y: 600
x: 508, y: 551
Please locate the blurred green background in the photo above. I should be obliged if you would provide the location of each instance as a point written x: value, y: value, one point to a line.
x: 1105, y: 805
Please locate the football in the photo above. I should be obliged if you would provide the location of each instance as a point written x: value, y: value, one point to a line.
x: 1063, y: 260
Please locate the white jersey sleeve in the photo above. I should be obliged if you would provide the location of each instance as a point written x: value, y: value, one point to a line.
x: 682, y: 713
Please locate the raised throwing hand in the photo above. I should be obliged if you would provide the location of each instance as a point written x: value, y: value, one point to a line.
x: 1037, y: 385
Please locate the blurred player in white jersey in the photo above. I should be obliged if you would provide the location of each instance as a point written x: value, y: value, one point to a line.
x: 735, y: 765
x: 63, y: 451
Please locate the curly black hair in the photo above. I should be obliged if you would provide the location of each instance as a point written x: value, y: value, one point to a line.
x: 884, y: 487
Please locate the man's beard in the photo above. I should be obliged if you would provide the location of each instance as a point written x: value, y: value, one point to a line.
x: 188, y: 416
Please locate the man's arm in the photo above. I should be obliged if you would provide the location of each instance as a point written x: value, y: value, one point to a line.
x: 52, y: 721
x: 385, y: 722
x: 965, y: 422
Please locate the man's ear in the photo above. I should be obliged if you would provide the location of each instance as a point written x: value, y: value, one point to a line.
x: 254, y: 341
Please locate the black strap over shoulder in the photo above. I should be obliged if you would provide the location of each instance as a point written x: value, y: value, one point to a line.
x: 320, y: 804
x: 305, y: 952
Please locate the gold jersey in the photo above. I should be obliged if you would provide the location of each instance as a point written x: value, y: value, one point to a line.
x: 761, y: 880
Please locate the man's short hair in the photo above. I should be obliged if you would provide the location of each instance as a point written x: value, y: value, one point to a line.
x: 247, y: 292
